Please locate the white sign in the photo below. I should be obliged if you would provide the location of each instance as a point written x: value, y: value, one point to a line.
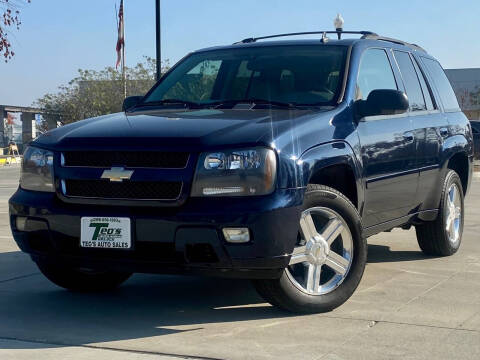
x: 105, y: 233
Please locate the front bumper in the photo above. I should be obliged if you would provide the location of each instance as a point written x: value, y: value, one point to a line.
x: 167, y: 239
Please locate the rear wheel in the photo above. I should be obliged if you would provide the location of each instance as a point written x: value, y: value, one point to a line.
x: 328, y: 262
x: 86, y: 280
x: 443, y: 236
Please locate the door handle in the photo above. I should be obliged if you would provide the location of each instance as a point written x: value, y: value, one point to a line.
x: 444, y: 132
x: 408, y: 136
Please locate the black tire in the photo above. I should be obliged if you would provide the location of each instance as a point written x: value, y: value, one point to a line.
x: 432, y: 236
x: 284, y: 294
x: 80, y: 279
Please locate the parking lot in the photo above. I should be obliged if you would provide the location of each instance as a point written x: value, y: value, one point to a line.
x: 408, y: 306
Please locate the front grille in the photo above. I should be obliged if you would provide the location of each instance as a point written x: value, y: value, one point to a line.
x: 140, y: 190
x: 131, y: 159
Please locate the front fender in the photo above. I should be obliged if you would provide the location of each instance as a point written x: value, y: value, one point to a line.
x: 333, y: 153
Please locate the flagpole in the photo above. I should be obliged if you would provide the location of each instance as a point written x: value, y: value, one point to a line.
x: 158, y: 38
x: 124, y: 74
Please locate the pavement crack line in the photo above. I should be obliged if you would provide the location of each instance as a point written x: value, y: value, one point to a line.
x: 428, y: 290
x: 107, y: 348
x: 354, y: 336
x: 19, y: 277
x: 395, y: 276
x: 373, y: 323
x: 471, y: 317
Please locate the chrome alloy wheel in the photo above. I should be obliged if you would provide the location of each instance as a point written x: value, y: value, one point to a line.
x: 453, y: 214
x: 322, y: 259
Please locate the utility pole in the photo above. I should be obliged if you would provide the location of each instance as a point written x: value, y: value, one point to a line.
x: 124, y: 73
x: 159, y: 39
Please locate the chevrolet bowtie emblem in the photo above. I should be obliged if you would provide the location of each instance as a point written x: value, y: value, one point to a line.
x: 117, y: 174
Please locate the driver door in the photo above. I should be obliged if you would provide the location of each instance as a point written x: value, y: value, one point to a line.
x: 387, y: 147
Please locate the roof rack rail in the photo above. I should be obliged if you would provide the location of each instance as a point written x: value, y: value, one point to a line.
x: 254, y: 39
x: 367, y: 35
x: 392, y: 40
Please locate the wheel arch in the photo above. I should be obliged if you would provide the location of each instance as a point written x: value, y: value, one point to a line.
x: 456, y: 157
x: 460, y: 164
x: 334, y: 165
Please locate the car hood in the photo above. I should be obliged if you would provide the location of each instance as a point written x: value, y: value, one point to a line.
x: 187, y: 130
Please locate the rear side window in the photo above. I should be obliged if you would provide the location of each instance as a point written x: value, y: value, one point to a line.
x: 410, y: 79
x: 442, y: 84
x: 375, y: 73
x: 427, y: 94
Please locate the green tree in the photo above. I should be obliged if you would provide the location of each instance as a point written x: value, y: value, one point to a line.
x: 94, y: 93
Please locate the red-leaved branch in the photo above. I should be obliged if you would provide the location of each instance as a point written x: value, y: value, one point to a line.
x: 9, y: 19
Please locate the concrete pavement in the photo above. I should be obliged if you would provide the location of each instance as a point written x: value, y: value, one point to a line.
x: 408, y: 306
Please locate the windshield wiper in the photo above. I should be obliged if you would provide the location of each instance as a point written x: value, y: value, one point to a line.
x: 253, y: 102
x: 185, y: 103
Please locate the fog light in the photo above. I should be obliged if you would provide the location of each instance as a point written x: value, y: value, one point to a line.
x: 236, y: 235
x: 20, y: 223
x: 222, y: 190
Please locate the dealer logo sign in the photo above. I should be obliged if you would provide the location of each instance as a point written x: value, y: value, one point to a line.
x: 106, y: 233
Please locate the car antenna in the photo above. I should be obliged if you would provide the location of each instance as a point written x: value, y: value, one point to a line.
x: 338, y: 23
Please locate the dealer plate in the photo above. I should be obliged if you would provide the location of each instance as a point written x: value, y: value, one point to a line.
x: 105, y: 233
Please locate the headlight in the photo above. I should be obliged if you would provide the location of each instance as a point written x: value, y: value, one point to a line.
x: 37, y: 170
x: 240, y: 172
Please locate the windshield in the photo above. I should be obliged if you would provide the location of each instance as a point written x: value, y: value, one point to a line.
x: 294, y: 75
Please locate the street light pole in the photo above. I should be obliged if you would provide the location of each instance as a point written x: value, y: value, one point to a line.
x: 159, y: 39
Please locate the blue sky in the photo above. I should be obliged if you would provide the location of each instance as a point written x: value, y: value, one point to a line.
x: 58, y: 37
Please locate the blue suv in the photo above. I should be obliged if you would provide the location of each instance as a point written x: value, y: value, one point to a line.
x: 266, y: 160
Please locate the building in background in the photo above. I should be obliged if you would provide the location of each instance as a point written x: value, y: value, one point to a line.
x: 22, y: 124
x: 466, y: 84
x: 13, y: 128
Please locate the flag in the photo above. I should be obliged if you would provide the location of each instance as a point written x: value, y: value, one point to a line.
x: 121, y: 34
x: 10, y: 119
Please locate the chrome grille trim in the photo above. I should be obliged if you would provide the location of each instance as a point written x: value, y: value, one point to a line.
x: 112, y: 164
x: 65, y: 193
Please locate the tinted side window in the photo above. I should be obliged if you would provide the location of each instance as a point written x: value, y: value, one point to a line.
x: 410, y: 79
x: 475, y: 127
x: 444, y: 88
x: 427, y: 94
x: 375, y: 73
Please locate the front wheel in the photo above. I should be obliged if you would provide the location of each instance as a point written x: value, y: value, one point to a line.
x: 328, y: 262
x: 85, y: 280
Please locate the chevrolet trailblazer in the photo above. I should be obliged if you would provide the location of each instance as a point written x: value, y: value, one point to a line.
x: 266, y: 160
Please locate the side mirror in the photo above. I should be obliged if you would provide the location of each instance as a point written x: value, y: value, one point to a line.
x: 383, y: 102
x: 130, y: 102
